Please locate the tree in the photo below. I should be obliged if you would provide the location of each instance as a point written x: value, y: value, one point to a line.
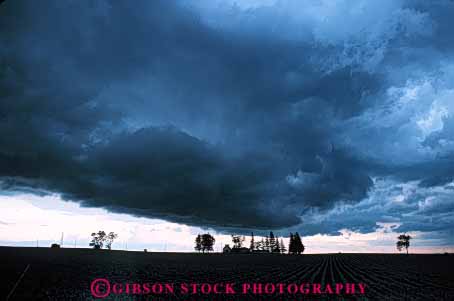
x: 295, y: 245
x: 267, y: 243
x: 252, y: 245
x: 403, y: 242
x: 198, y: 243
x: 283, y: 249
x: 276, y: 247
x: 299, y: 247
x: 207, y: 242
x: 273, y: 242
x: 237, y: 241
x: 110, y: 239
x: 98, y: 239
x: 261, y: 245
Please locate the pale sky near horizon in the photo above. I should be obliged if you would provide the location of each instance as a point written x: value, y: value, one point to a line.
x: 27, y: 218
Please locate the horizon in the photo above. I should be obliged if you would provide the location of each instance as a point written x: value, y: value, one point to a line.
x: 156, y: 235
x: 221, y: 253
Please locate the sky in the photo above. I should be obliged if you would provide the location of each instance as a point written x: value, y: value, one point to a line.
x: 160, y: 120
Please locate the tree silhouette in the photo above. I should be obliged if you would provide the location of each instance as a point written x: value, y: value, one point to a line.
x: 198, y: 243
x: 296, y: 245
x: 98, y: 239
x: 276, y: 247
x: 299, y: 247
x: 403, y: 242
x: 261, y: 245
x: 207, y: 242
x: 237, y: 241
x: 267, y: 243
x: 274, y: 244
x: 110, y: 239
x: 252, y: 245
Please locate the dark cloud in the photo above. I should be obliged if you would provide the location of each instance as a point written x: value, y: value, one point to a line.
x: 167, y: 173
x: 156, y: 109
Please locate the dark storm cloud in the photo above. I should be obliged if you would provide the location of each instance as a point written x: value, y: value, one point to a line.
x: 167, y: 173
x: 154, y: 109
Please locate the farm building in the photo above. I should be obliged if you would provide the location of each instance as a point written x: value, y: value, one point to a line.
x: 226, y: 249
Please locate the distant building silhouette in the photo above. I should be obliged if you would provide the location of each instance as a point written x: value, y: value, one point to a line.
x: 226, y: 249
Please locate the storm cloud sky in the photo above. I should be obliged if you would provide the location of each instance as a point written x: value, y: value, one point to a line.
x: 308, y: 115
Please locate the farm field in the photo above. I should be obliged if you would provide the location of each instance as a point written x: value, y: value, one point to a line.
x: 66, y: 274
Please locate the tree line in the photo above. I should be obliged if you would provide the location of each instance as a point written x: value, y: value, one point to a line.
x: 268, y: 244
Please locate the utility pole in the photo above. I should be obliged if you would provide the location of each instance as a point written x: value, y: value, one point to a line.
x: 61, y: 241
